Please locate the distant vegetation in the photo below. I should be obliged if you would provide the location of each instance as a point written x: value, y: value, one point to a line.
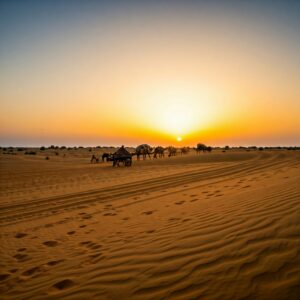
x: 30, y: 153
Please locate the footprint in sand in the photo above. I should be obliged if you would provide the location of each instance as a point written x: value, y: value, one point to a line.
x: 64, y: 284
x: 179, y: 202
x: 20, y: 235
x: 51, y: 243
x: 71, y: 232
x: 13, y: 270
x: 31, y: 271
x: 150, y: 212
x: 185, y: 220
x: 21, y: 249
x: 21, y: 257
x: 193, y: 200
x: 85, y: 243
x: 4, y: 277
x: 82, y: 226
x: 109, y: 214
x: 87, y: 217
x: 126, y: 218
x: 54, y: 262
x: 150, y: 231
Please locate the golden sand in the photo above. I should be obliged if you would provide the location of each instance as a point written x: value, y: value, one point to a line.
x: 210, y: 226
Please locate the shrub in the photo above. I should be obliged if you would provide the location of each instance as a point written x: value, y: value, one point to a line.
x: 30, y: 153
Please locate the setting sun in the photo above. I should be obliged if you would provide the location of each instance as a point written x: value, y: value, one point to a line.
x: 179, y: 139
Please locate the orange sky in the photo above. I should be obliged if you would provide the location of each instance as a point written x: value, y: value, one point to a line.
x: 149, y: 74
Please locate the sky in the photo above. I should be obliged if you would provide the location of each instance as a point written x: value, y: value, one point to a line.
x: 156, y: 72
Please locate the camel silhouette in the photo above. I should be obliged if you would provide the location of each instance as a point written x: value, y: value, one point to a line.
x: 94, y: 159
x: 106, y: 156
x: 184, y: 150
x: 143, y: 150
x: 158, y: 151
x: 172, y: 151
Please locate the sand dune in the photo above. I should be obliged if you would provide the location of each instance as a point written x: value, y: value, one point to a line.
x: 212, y: 226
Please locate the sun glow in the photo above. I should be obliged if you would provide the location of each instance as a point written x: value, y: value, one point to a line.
x: 181, y: 109
x: 177, y: 119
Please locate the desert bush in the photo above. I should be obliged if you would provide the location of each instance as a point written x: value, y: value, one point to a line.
x: 30, y: 153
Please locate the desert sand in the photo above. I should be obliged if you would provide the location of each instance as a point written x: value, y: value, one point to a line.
x: 210, y: 226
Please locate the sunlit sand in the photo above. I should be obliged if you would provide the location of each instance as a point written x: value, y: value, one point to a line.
x: 220, y: 225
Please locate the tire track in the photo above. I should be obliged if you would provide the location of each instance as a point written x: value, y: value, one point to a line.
x: 18, y: 212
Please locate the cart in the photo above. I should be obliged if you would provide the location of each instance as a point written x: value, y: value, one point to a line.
x: 122, y: 156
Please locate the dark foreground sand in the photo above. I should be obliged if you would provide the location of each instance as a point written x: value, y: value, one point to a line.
x: 213, y: 226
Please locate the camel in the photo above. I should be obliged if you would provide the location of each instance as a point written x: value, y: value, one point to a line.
x: 184, y: 150
x: 143, y: 150
x: 121, y: 156
x: 159, y: 151
x: 172, y: 151
x: 106, y: 156
x: 94, y: 159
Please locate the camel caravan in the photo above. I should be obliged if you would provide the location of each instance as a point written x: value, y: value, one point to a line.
x: 123, y: 157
